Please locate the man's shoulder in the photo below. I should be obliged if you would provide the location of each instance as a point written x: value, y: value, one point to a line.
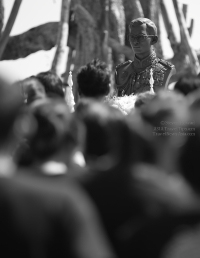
x: 165, y: 64
x: 122, y: 72
x: 167, y: 69
x: 123, y: 65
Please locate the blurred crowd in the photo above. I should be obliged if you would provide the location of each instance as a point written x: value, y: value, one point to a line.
x: 96, y: 183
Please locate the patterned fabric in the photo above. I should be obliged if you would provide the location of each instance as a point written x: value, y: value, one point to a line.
x: 132, y: 77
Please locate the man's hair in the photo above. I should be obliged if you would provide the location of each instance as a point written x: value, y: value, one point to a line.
x: 107, y: 132
x: 93, y: 79
x: 187, y: 84
x: 52, y: 83
x: 55, y: 127
x: 32, y: 89
x: 151, y: 27
x: 167, y: 106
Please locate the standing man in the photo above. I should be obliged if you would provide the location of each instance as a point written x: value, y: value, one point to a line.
x: 132, y: 77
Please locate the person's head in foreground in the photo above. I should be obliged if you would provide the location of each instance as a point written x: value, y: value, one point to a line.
x: 122, y: 201
x: 93, y: 80
x: 187, y: 84
x: 57, y: 134
x: 45, y: 84
x: 107, y: 133
x: 111, y: 139
x: 41, y: 217
x: 52, y: 84
x: 166, y: 114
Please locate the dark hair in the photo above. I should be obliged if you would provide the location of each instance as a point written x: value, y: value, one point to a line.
x: 152, y: 29
x: 56, y: 127
x: 187, y: 84
x: 107, y: 132
x: 167, y: 106
x: 52, y: 83
x: 32, y: 89
x: 93, y: 79
x: 141, y: 139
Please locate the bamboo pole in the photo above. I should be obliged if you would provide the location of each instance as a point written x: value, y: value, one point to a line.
x: 62, y: 38
x: 70, y: 61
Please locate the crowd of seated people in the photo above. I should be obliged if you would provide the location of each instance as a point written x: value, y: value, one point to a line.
x: 95, y: 182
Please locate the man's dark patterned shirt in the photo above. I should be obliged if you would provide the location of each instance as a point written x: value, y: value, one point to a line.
x: 132, y: 77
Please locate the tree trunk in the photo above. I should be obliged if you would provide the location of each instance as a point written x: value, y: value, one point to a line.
x: 132, y: 9
x: 185, y: 38
x: 155, y: 17
x: 1, y: 16
x: 169, y: 28
x: 105, y: 47
x: 116, y: 29
x: 9, y: 25
x: 70, y: 61
x: 88, y: 42
x: 63, y: 31
x: 87, y: 45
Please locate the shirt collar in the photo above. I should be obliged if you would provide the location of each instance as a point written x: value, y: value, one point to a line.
x: 144, y: 62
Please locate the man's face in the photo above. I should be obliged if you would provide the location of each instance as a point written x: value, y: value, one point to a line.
x: 139, y: 44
